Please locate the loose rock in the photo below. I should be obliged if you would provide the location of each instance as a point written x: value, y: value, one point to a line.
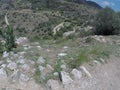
x: 66, y: 79
x: 62, y: 54
x: 77, y: 74
x: 53, y: 85
x: 23, y: 78
x: 85, y: 71
x: 3, y: 72
x: 12, y: 66
x: 5, y: 54
x: 41, y: 60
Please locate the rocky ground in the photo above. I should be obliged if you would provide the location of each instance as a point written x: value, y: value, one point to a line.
x: 33, y: 66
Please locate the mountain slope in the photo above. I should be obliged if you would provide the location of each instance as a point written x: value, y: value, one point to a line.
x: 90, y: 3
x: 34, y: 16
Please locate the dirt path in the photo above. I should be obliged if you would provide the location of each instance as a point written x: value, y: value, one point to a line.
x: 105, y: 76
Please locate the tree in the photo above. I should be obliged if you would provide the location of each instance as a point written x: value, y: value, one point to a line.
x: 107, y: 22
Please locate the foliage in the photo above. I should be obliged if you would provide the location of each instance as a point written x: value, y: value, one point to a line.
x: 58, y: 66
x: 89, y: 53
x: 1, y: 48
x: 107, y: 22
x: 9, y: 39
x: 37, y: 75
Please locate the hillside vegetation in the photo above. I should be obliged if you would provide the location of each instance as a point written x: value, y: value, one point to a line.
x: 34, y: 17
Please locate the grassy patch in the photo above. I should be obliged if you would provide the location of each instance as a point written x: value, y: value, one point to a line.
x: 58, y: 66
x: 37, y: 75
x: 88, y: 53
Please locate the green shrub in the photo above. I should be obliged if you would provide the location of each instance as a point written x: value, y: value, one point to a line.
x: 58, y: 66
x: 9, y: 38
x: 107, y: 22
x: 1, y: 48
x: 89, y: 53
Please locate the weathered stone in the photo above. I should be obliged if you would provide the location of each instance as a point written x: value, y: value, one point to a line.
x: 3, y: 65
x: 67, y: 34
x: 14, y: 76
x: 66, y: 79
x: 21, y: 61
x: 39, y: 47
x: 5, y: 54
x: 23, y: 78
x: 77, y: 74
x: 21, y: 53
x: 85, y: 71
x: 22, y: 41
x: 62, y: 54
x: 96, y: 62
x: 63, y: 66
x: 65, y: 47
x: 55, y: 73
x: 102, y: 60
x: 3, y: 72
x: 41, y: 60
x: 53, y: 85
x: 26, y: 67
x: 26, y: 47
x: 99, y: 38
x: 49, y: 67
x: 41, y: 68
x: 12, y: 66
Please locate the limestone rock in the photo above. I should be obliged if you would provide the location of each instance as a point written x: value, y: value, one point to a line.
x: 66, y: 79
x: 67, y: 34
x: 41, y: 68
x: 12, y: 66
x: 22, y: 41
x: 21, y: 61
x: 41, y: 60
x: 26, y: 67
x: 14, y: 76
x: 3, y: 72
x: 62, y: 54
x: 55, y: 73
x: 53, y: 85
x: 77, y: 74
x: 85, y: 71
x: 49, y: 67
x: 63, y: 66
x: 5, y: 54
x: 23, y: 78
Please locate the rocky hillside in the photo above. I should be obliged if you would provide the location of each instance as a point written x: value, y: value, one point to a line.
x: 56, y: 64
x: 39, y: 18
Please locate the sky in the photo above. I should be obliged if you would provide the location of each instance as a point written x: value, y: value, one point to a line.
x: 114, y: 4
